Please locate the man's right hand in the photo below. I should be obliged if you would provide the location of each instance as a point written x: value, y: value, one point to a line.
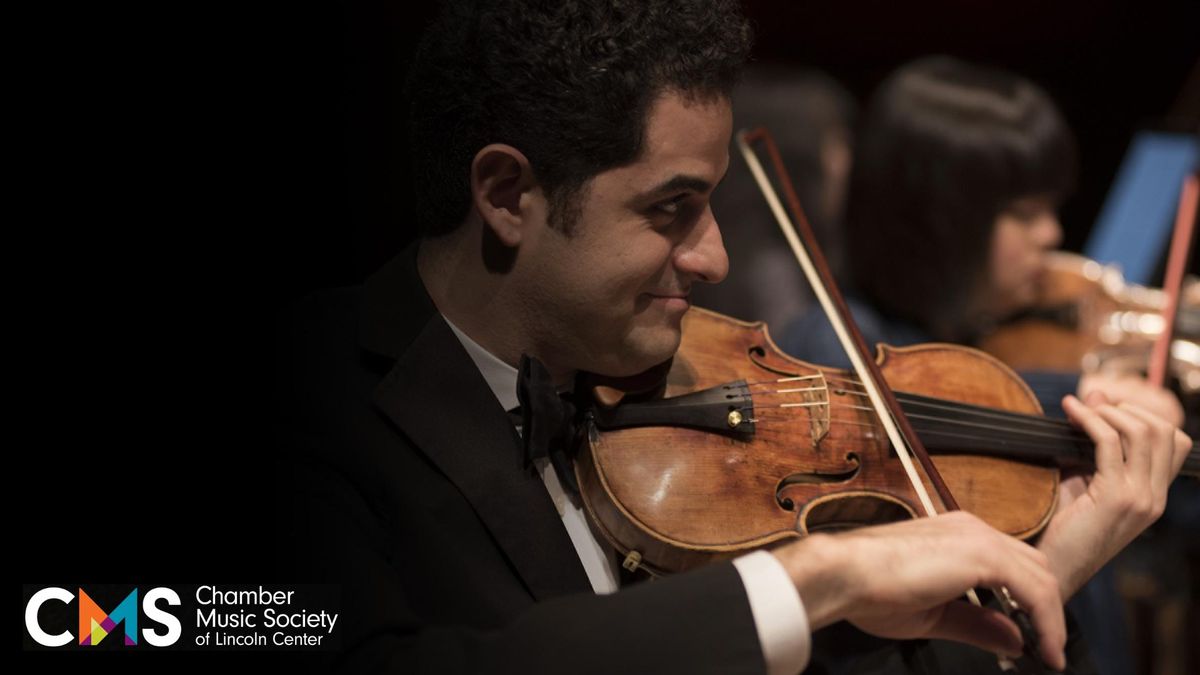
x: 907, y: 580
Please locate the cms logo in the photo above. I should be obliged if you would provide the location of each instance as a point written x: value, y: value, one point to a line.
x: 95, y: 623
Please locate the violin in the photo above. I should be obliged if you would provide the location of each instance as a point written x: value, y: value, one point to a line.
x: 741, y: 446
x: 1088, y: 319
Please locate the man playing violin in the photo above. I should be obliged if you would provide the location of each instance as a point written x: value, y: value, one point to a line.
x: 566, y: 155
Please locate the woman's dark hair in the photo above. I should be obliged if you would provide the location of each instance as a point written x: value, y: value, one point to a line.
x: 568, y: 83
x: 945, y: 146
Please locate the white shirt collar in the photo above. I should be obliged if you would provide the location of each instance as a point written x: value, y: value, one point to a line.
x: 500, y: 377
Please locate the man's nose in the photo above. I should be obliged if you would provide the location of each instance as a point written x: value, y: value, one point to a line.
x: 702, y: 254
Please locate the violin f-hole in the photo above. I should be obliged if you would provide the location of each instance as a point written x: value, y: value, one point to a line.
x: 849, y: 510
x: 815, y: 478
x: 757, y: 355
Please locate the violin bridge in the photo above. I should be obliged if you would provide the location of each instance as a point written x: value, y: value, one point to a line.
x: 818, y: 415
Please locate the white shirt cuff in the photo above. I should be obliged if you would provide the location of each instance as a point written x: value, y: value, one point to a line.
x: 779, y: 615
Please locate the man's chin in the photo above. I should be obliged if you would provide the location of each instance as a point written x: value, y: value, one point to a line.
x: 645, y: 349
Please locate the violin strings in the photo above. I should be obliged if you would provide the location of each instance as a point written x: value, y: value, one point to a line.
x: 832, y: 421
x: 1032, y: 431
x: 983, y: 411
x: 1046, y: 444
x: 949, y: 406
x: 1055, y: 426
x: 798, y: 390
x: 912, y: 401
x: 993, y: 427
x: 808, y: 404
x: 794, y: 378
x: 797, y: 378
x: 1030, y: 437
x: 931, y: 418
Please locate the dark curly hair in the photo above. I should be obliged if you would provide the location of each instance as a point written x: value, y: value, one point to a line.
x: 945, y: 146
x: 569, y: 83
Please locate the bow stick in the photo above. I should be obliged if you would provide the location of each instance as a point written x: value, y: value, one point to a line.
x: 899, y: 430
x: 1181, y: 244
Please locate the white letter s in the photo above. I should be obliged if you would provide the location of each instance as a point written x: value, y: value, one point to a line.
x: 174, y: 628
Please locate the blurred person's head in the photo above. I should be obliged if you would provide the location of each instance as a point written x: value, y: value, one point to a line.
x: 811, y: 117
x: 958, y: 173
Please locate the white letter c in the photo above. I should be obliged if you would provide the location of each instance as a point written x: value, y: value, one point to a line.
x: 31, y: 616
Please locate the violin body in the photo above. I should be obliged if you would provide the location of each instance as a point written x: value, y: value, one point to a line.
x: 1088, y: 319
x: 680, y: 497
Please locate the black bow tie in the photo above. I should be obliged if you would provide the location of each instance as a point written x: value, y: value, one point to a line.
x: 547, y: 419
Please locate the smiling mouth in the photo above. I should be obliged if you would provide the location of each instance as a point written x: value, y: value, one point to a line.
x: 671, y: 301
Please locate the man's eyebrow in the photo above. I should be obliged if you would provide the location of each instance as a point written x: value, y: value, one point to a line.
x: 682, y: 182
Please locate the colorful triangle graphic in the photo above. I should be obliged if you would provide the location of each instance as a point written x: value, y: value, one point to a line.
x: 98, y: 632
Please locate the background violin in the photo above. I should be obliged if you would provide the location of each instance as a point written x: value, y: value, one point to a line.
x: 1087, y: 318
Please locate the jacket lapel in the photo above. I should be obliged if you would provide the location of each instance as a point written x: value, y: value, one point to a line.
x: 438, y: 398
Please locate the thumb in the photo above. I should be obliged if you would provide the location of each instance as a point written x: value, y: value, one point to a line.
x: 978, y: 626
x: 991, y: 630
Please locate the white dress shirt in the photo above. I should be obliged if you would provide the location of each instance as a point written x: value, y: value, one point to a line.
x: 779, y: 616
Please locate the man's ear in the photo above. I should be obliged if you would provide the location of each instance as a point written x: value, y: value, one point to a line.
x: 500, y: 176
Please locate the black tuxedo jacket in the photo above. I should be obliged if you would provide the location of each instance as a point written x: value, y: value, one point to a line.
x: 402, y: 481
x: 405, y: 484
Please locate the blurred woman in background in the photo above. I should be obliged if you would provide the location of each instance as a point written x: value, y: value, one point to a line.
x: 952, y: 209
x: 957, y: 176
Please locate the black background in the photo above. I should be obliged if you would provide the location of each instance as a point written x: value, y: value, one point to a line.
x: 179, y: 173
